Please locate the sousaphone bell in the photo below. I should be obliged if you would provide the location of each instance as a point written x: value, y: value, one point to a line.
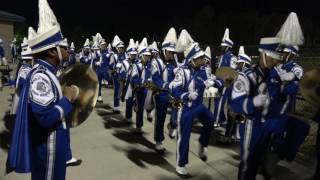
x: 310, y: 87
x: 227, y: 74
x: 87, y: 81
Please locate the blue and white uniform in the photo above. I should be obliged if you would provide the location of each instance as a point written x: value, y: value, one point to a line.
x: 115, y: 64
x: 297, y: 129
x: 125, y: 76
x: 85, y: 57
x: 261, y: 123
x: 105, y: 54
x: 189, y: 81
x: 20, y: 81
x: 40, y: 118
x: 162, y: 76
x: 140, y: 74
x: 225, y: 60
x: 13, y: 48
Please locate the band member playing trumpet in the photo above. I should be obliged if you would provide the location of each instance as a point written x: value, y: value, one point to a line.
x: 162, y: 74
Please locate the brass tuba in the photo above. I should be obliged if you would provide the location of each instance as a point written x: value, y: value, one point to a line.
x: 310, y: 87
x: 175, y: 103
x: 87, y: 81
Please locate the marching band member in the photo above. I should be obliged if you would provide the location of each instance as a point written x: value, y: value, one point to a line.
x: 149, y: 104
x: 96, y: 63
x: 72, y: 52
x: 2, y: 52
x: 125, y: 74
x: 162, y: 75
x: 141, y: 74
x: 40, y: 135
x: 105, y: 54
x: 188, y: 86
x: 288, y: 73
x: 253, y: 96
x: 85, y: 53
x: 25, y: 68
x: 227, y: 59
x: 115, y: 65
x: 243, y: 65
x: 14, y: 53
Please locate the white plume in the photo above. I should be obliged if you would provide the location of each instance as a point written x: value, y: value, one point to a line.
x: 291, y: 32
x: 47, y: 19
x: 184, y: 41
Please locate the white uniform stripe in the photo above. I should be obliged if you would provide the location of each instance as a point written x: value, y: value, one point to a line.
x: 51, y: 148
x: 179, y: 133
x: 220, y: 104
x: 285, y: 105
x: 220, y: 84
x: 61, y: 116
x: 183, y: 94
x: 156, y: 116
x: 246, y: 146
x: 245, y: 105
x: 60, y: 110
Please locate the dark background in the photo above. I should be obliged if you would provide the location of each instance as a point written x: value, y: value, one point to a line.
x: 205, y: 20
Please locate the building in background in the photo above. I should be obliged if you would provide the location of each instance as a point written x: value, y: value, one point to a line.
x: 7, y: 24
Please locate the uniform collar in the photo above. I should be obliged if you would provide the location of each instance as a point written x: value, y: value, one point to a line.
x: 48, y: 66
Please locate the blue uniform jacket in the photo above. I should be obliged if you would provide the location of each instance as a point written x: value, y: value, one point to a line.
x: 41, y: 110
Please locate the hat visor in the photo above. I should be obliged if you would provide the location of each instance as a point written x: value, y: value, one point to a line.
x: 272, y: 54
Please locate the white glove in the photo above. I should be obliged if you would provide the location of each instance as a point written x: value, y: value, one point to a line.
x: 261, y: 100
x: 208, y: 83
x: 287, y: 76
x: 175, y: 70
x: 118, y: 65
x: 193, y: 96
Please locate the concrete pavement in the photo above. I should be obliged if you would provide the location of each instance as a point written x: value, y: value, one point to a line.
x: 111, y: 150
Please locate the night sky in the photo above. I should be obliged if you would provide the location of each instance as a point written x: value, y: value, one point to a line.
x: 204, y: 19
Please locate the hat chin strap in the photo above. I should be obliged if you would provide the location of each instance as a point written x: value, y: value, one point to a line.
x: 264, y: 60
x: 60, y: 56
x: 288, y: 57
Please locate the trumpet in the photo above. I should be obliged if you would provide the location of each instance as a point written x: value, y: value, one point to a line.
x: 150, y: 85
x: 175, y: 103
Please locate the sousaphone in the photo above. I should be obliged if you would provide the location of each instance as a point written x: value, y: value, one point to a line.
x: 310, y: 87
x: 87, y: 81
x: 227, y: 74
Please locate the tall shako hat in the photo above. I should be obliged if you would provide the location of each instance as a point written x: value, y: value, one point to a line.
x: 143, y: 47
x: 291, y: 35
x: 48, y: 34
x: 243, y: 57
x: 226, y: 41
x: 207, y: 53
x: 131, y: 49
x: 117, y: 43
x: 188, y: 46
x: 170, y: 40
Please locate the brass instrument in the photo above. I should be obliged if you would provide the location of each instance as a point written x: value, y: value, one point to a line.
x: 175, y: 103
x: 227, y: 74
x: 310, y: 87
x: 154, y: 88
x: 87, y: 81
x: 123, y: 89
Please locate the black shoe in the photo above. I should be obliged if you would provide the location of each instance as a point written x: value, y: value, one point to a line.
x: 149, y: 119
x: 74, y: 163
x: 204, y: 158
x: 183, y: 173
x: 160, y: 149
x: 116, y: 111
